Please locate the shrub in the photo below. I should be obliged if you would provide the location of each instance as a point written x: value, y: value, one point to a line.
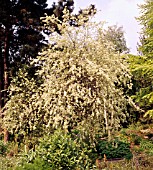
x: 114, y: 149
x: 38, y: 164
x: 59, y: 151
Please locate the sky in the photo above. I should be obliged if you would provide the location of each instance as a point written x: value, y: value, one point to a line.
x: 120, y: 12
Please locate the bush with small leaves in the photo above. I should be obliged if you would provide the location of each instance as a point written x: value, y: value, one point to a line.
x: 114, y: 149
x: 59, y: 151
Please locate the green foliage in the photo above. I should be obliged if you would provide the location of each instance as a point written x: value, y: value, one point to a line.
x: 21, y: 22
x: 146, y: 20
x: 114, y: 149
x: 3, y: 148
x: 38, y: 163
x: 60, y: 151
x: 142, y: 71
x: 83, y: 84
x: 147, y: 146
x: 141, y: 66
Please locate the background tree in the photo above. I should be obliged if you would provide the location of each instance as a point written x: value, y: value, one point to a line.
x: 146, y: 20
x: 142, y: 66
x: 79, y: 85
x: 115, y: 35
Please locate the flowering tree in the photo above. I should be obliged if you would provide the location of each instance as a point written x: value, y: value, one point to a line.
x: 82, y: 84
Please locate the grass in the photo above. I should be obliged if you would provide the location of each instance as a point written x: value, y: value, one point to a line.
x: 137, y: 163
x: 133, y: 164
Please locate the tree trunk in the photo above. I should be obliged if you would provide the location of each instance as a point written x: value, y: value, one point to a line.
x: 1, y: 85
x: 6, y: 135
x: 106, y: 120
x: 5, y: 59
x: 5, y: 77
x: 1, y: 79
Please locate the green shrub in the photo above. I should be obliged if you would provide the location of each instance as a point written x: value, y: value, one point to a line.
x: 59, y: 151
x: 114, y: 149
x: 37, y: 164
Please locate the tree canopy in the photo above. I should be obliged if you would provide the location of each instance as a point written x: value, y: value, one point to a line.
x: 146, y: 20
x: 80, y: 76
x: 115, y: 35
x: 142, y: 66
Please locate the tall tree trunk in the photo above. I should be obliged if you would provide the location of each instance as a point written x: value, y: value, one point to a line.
x: 1, y: 85
x: 1, y: 80
x: 5, y: 76
x: 106, y: 121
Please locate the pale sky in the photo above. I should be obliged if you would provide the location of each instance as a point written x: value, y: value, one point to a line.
x: 120, y: 12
